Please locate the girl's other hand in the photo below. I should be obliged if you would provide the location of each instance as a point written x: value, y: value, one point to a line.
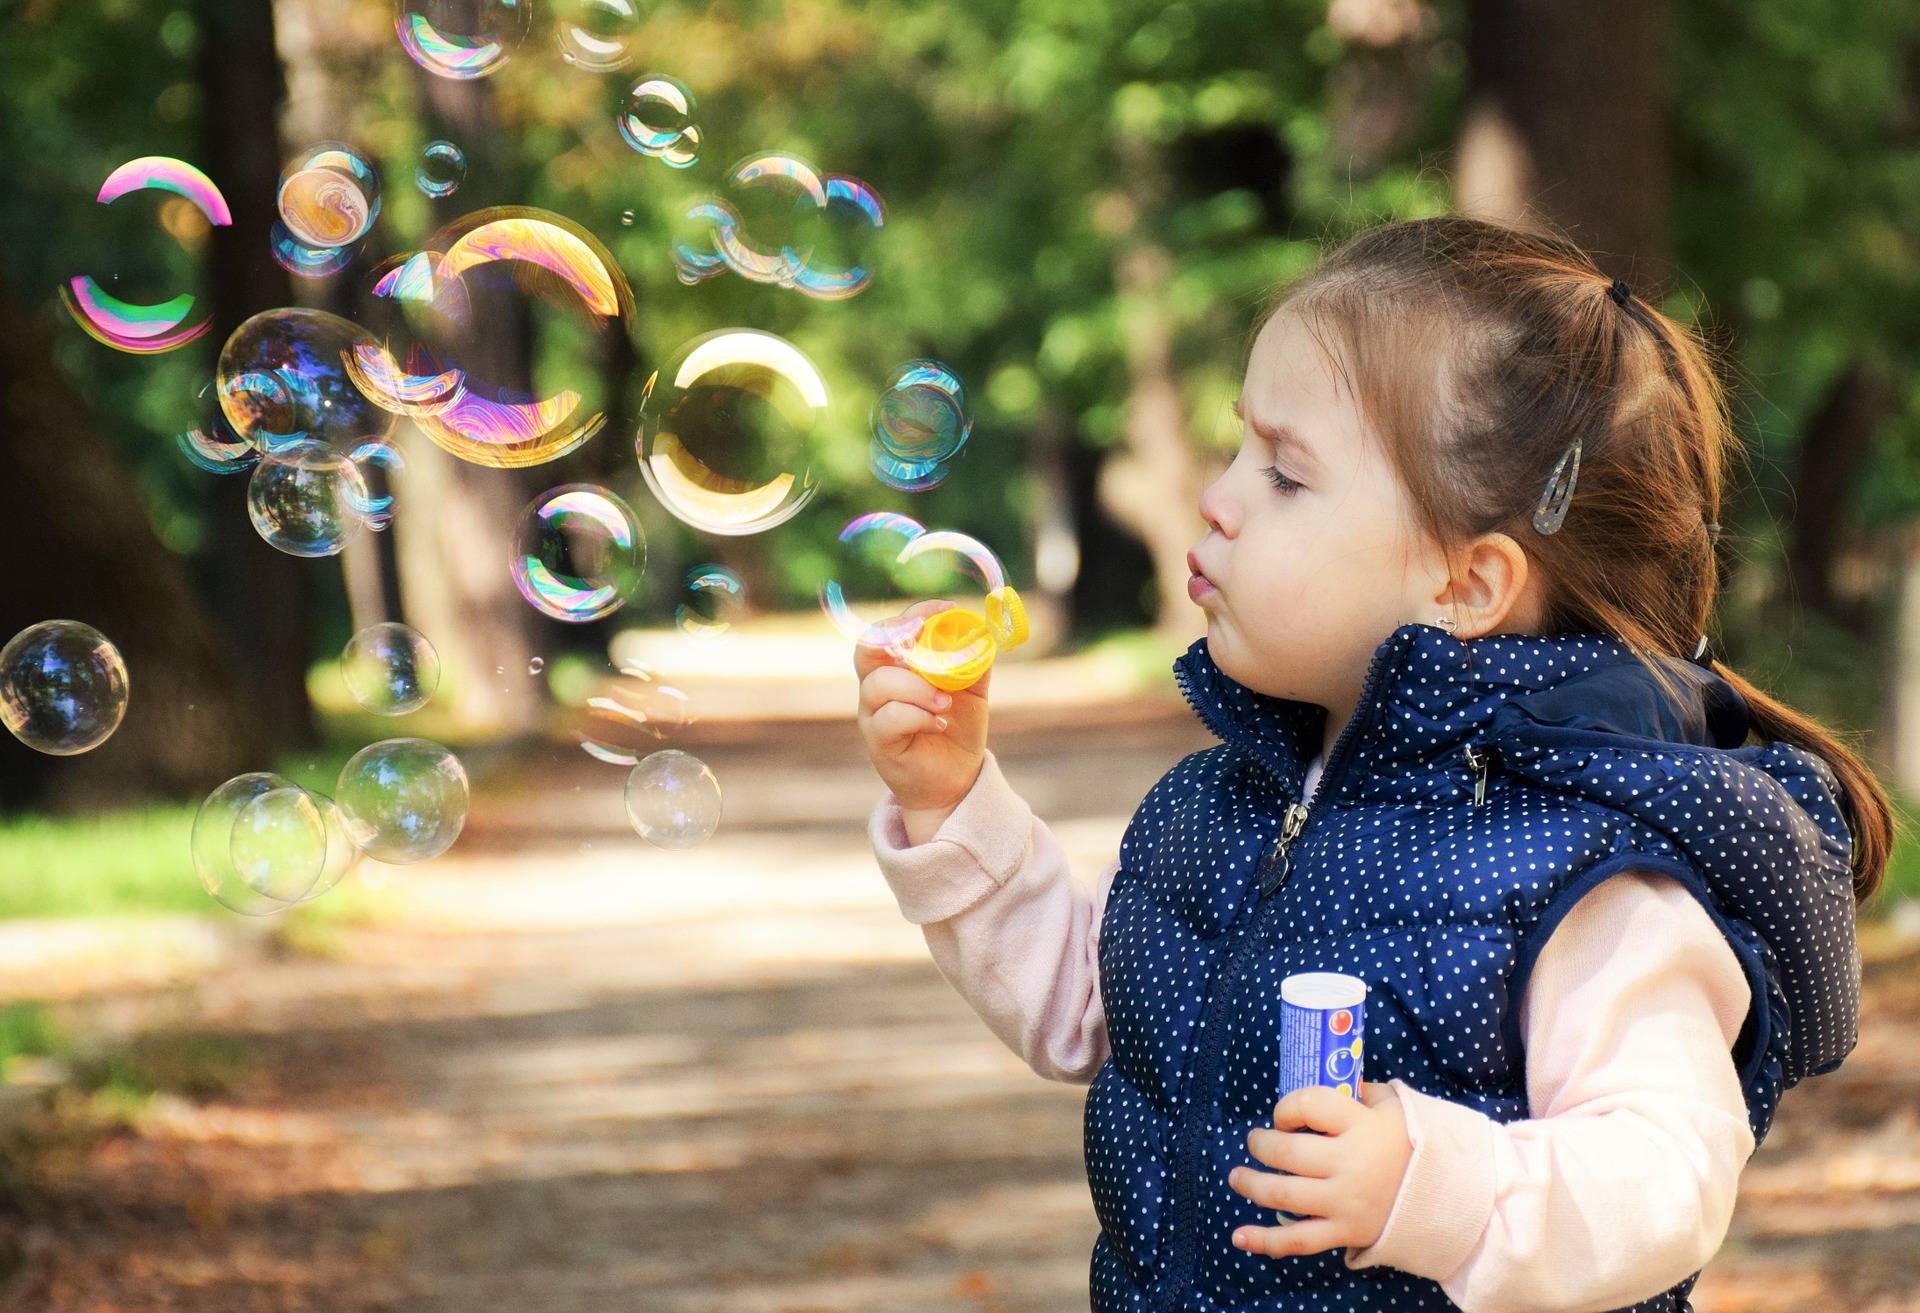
x: 1342, y: 1181
x: 927, y: 745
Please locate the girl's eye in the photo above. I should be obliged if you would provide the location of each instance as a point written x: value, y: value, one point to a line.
x: 1279, y: 480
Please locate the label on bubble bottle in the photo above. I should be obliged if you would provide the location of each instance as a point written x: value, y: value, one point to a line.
x: 1323, y: 1025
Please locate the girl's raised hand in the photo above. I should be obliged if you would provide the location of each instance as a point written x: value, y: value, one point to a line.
x: 928, y: 746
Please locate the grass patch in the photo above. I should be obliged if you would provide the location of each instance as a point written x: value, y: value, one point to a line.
x: 135, y: 862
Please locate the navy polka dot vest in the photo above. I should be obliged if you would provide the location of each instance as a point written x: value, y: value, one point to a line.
x: 1480, y: 789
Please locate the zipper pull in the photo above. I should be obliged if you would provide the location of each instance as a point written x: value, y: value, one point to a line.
x: 1277, y: 864
x: 1479, y: 759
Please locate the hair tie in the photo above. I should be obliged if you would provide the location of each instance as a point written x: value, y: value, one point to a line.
x: 1619, y: 292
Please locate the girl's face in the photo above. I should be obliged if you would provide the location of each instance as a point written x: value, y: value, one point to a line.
x: 1313, y: 556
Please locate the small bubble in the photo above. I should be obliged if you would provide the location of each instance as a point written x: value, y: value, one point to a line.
x: 536, y: 665
x: 626, y: 218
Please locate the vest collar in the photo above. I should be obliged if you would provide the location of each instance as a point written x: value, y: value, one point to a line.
x: 1427, y: 693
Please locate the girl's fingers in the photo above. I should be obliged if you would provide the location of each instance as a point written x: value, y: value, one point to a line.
x: 1307, y: 1236
x: 898, y: 684
x: 1296, y: 1194
x: 1288, y: 1151
x: 1317, y: 1108
x: 897, y: 722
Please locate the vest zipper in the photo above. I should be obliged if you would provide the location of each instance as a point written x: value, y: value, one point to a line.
x: 1278, y: 863
x: 1183, y: 1258
x: 1480, y: 759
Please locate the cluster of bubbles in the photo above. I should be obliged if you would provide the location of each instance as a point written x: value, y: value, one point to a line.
x: 307, y: 402
x: 63, y: 687
x: 328, y: 198
x: 790, y: 245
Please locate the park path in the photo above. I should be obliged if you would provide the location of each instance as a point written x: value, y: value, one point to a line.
x: 574, y: 1073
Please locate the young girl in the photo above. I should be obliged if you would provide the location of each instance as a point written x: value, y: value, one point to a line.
x: 1601, y: 889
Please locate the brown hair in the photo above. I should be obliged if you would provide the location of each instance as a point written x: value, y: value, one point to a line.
x: 1532, y: 351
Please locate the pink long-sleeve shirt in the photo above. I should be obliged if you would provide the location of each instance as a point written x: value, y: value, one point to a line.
x: 1619, y: 1184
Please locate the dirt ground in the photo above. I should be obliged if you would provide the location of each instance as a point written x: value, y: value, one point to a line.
x: 572, y: 1072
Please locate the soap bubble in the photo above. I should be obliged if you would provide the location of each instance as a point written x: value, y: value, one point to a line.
x: 442, y: 362
x: 63, y: 687
x: 714, y: 598
x: 598, y: 35
x: 329, y: 195
x: 578, y: 552
x: 391, y: 669
x: 921, y: 414
x: 303, y: 260
x: 849, y: 203
x: 278, y: 845
x: 213, y: 445
x: 302, y: 499
x: 657, y: 120
x: 282, y: 379
x: 441, y: 170
x: 725, y: 430
x: 631, y: 713
x: 461, y: 39
x: 378, y: 461
x: 673, y: 799
x: 403, y: 800
x: 271, y: 844
x: 893, y: 557
x: 536, y: 665
x: 783, y: 223
x: 139, y: 328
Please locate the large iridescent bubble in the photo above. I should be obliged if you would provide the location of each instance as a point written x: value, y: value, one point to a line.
x: 305, y: 499
x: 578, y: 553
x: 403, y: 800
x: 146, y: 328
x: 461, y: 39
x: 442, y: 359
x: 283, y: 379
x: 63, y: 687
x: 726, y: 431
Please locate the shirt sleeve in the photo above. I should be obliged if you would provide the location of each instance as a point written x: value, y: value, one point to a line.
x: 1008, y: 926
x: 1622, y: 1181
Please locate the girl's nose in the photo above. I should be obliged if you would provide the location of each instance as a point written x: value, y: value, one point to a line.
x: 1214, y: 507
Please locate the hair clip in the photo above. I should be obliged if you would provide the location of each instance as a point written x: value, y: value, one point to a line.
x: 1552, y: 510
x: 1713, y: 533
x: 1701, y: 656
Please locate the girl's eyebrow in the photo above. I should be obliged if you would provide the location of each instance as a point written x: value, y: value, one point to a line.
x: 1279, y: 435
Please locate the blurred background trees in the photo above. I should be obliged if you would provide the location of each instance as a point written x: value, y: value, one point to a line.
x: 1088, y: 204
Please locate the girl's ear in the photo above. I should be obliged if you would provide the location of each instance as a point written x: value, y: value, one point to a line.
x: 1493, y: 588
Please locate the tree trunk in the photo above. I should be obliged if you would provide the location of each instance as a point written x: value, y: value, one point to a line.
x: 1566, y: 121
x: 1152, y: 485
x: 262, y: 598
x: 1834, y: 449
x: 75, y: 522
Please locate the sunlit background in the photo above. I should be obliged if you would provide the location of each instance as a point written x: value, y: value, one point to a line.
x: 463, y: 438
